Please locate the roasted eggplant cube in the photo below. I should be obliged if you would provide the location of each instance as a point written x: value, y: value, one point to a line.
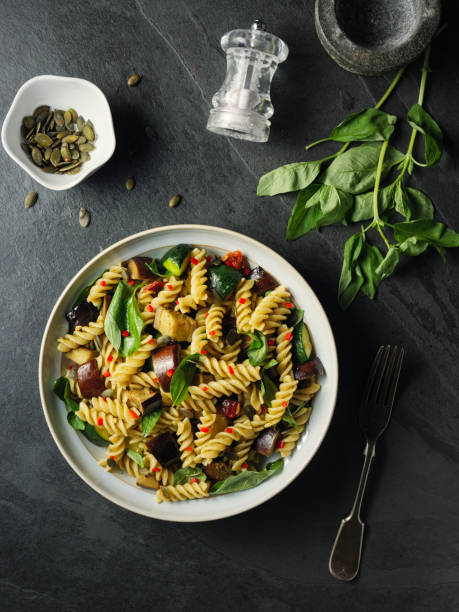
x: 266, y: 442
x: 151, y: 403
x: 263, y: 281
x: 164, y: 448
x: 89, y: 379
x: 229, y: 408
x: 217, y: 470
x: 138, y: 269
x: 165, y: 361
x: 308, y: 369
x: 83, y: 314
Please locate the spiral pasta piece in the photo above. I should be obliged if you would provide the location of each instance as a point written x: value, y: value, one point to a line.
x: 117, y: 447
x: 252, y: 396
x: 198, y: 340
x: 217, y: 388
x: 168, y: 294
x: 280, y: 401
x: 112, y: 424
x: 198, y: 277
x: 81, y: 335
x: 226, y: 352
x: 144, y: 379
x: 198, y: 404
x: 275, y: 319
x: 266, y: 306
x: 240, y: 428
x: 305, y: 394
x: 204, y: 432
x: 185, y: 441
x: 242, y: 450
x: 224, y: 369
x: 105, y: 284
x: 243, y: 305
x: 117, y: 408
x: 124, y: 371
x: 129, y: 465
x: 284, y: 352
x: 291, y: 436
x: 163, y: 475
x: 109, y: 356
x: 214, y: 324
x: 193, y: 490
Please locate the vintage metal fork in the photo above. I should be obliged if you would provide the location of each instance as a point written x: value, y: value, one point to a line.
x: 375, y: 413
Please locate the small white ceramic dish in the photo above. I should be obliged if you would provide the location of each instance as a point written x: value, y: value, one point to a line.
x: 120, y: 488
x: 63, y: 93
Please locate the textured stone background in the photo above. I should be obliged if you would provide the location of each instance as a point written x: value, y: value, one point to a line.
x: 66, y: 548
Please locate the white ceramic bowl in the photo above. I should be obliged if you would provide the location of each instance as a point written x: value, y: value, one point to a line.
x: 120, y: 488
x: 60, y: 92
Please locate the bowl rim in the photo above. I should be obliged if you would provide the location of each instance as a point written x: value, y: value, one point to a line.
x: 132, y: 238
x: 78, y: 178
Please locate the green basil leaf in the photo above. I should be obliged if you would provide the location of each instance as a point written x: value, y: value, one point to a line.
x: 414, y: 236
x: 412, y: 203
x: 61, y: 388
x: 85, y: 292
x: 91, y: 434
x: 156, y: 267
x: 182, y: 378
x: 363, y: 204
x: 351, y: 278
x: 295, y: 318
x: 258, y: 348
x: 421, y: 121
x: 115, y: 319
x: 288, y: 418
x: 388, y: 264
x: 268, y: 388
x: 74, y: 421
x: 369, y: 261
x: 134, y: 325
x: 246, y: 479
x: 269, y: 364
x: 355, y: 170
x: 291, y: 177
x: 184, y: 475
x: 137, y: 457
x: 367, y: 125
x: 149, y: 421
x: 298, y: 224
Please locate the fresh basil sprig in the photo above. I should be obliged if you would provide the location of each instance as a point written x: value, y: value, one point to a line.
x: 184, y: 475
x: 135, y: 456
x: 85, y: 291
x: 149, y: 421
x: 156, y: 267
x: 182, y: 378
x: 246, y: 479
x: 287, y: 417
x: 348, y: 186
x: 123, y: 315
x: 268, y: 388
x: 258, y: 348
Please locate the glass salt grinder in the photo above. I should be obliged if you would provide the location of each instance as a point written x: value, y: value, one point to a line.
x: 242, y: 106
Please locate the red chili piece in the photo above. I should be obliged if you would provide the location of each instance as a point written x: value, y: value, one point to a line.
x: 244, y: 466
x: 242, y: 300
x: 104, y: 398
x: 205, y: 387
x: 208, y: 258
x: 194, y: 261
x: 281, y: 444
x: 106, y: 373
x: 227, y: 262
x: 271, y: 342
x: 193, y: 480
x: 110, y: 358
x: 100, y: 421
x: 246, y: 273
x: 212, y: 332
x: 125, y: 333
x: 229, y: 430
x: 284, y: 404
x: 170, y: 287
x: 177, y: 302
x: 130, y: 282
x: 150, y: 308
x: 112, y: 457
x: 133, y: 414
x: 207, y: 314
x: 203, y: 352
x: 188, y: 449
x: 230, y: 369
x: 155, y: 380
x: 288, y: 305
x: 156, y: 469
x: 71, y: 366
x: 170, y: 373
x: 288, y: 336
x: 102, y: 283
x: 151, y: 341
x: 205, y: 429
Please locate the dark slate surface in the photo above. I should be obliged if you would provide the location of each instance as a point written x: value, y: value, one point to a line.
x: 66, y: 548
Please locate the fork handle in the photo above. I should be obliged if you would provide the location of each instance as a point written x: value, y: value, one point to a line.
x: 347, y: 548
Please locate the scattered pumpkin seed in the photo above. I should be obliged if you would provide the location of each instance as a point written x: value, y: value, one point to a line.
x: 70, y: 138
x: 84, y: 217
x: 130, y: 183
x: 175, y: 201
x: 65, y: 154
x: 87, y: 146
x: 37, y: 157
x: 67, y: 168
x: 47, y: 154
x: 150, y: 133
x: 30, y: 199
x: 43, y: 140
x: 134, y: 80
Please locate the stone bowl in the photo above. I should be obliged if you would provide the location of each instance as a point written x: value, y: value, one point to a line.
x: 373, y: 36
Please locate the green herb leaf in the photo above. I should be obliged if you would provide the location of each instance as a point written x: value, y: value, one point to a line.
x: 258, y: 348
x: 415, y: 236
x: 157, y: 268
x: 182, y: 378
x: 91, y: 434
x: 351, y: 275
x: 184, y: 475
x: 367, y: 125
x: 363, y: 204
x: 137, y: 457
x: 134, y: 324
x: 412, y: 203
x: 370, y: 260
x: 355, y: 170
x: 299, y: 224
x: 291, y: 177
x: 288, y: 418
x: 388, y: 264
x: 421, y: 121
x: 246, y: 479
x: 149, y: 421
x: 61, y: 388
x: 74, y: 421
x: 267, y: 386
x: 123, y: 315
x: 295, y: 318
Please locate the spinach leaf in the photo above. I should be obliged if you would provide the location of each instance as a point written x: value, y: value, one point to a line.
x: 182, y: 378
x: 258, y: 348
x: 412, y: 203
x: 363, y: 204
x: 351, y: 275
x: 327, y: 205
x: 421, y: 121
x: 291, y: 177
x: 123, y: 315
x: 184, y: 475
x: 137, y: 457
x: 74, y: 421
x: 388, y: 264
x: 149, y: 421
x: 246, y: 479
x: 157, y: 268
x: 61, y: 388
x: 288, y: 418
x: 267, y: 386
x: 91, y: 434
x: 416, y: 236
x: 367, y: 125
x: 355, y: 170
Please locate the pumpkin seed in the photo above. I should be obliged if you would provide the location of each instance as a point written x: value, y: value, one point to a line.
x: 130, y: 183
x: 84, y: 156
x: 40, y: 109
x: 43, y: 140
x: 30, y: 199
x: 75, y: 154
x: 88, y: 132
x: 134, y: 80
x: 48, y: 169
x: 74, y: 171
x: 55, y: 156
x: 37, y: 157
x: 80, y: 123
x: 74, y: 114
x: 70, y: 138
x: 25, y: 148
x: 65, y: 154
x: 67, y: 117
x: 59, y: 118
x: 87, y: 146
x: 81, y: 140
x: 150, y: 133
x: 175, y: 201
x: 84, y: 217
x: 42, y: 117
x: 29, y: 122
x: 47, y: 154
x: 69, y: 167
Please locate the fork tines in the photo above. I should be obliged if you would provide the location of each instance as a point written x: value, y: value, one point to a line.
x: 384, y: 374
